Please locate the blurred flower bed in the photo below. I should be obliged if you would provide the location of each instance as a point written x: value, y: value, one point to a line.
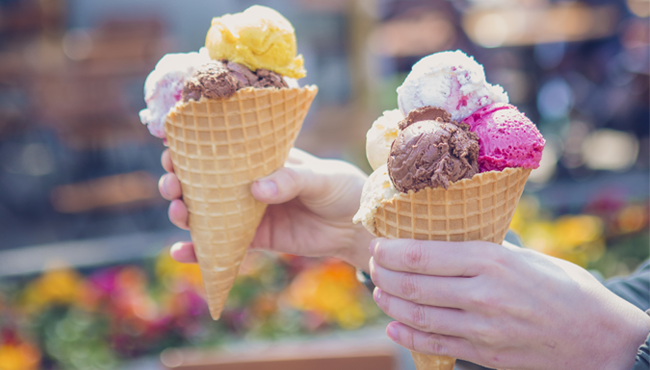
x: 608, y: 235
x: 65, y: 319
x: 68, y: 319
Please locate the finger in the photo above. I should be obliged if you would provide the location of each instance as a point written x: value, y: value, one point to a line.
x: 299, y: 157
x: 434, y: 257
x: 178, y: 214
x: 285, y: 184
x: 166, y: 160
x: 183, y: 252
x: 429, y: 319
x: 169, y: 186
x: 428, y: 343
x: 440, y: 291
x: 318, y: 183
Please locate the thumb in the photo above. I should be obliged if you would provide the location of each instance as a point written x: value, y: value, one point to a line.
x: 282, y: 185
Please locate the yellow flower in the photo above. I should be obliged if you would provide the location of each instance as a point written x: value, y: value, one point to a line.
x: 527, y: 210
x: 57, y: 286
x: 574, y: 231
x: 540, y: 236
x: 19, y: 357
x: 171, y: 271
x: 578, y: 239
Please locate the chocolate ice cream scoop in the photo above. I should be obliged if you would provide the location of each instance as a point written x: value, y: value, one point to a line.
x: 432, y: 152
x: 221, y: 79
x: 424, y: 114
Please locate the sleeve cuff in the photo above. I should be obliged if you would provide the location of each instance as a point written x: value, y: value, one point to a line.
x: 365, y: 279
x: 643, y: 354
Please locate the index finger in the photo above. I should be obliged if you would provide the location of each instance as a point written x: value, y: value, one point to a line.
x: 166, y: 160
x: 436, y: 258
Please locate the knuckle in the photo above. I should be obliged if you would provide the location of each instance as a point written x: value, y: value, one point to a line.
x: 419, y: 317
x: 485, y: 302
x: 413, y: 257
x: 486, y: 335
x: 410, y: 339
x: 409, y: 287
x: 499, y: 260
x: 435, y: 345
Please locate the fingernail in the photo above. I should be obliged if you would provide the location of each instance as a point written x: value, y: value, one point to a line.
x: 176, y: 248
x: 268, y: 188
x: 373, y: 246
x: 391, y: 331
x: 163, y: 186
x: 377, y: 294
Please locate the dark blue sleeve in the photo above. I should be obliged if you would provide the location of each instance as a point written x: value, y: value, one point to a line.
x: 643, y: 356
x: 634, y: 288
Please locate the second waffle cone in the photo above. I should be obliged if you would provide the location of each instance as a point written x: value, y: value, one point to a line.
x: 218, y: 148
x: 479, y: 208
x: 427, y: 362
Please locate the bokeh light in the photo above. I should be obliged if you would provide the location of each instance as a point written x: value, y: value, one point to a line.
x: 610, y: 150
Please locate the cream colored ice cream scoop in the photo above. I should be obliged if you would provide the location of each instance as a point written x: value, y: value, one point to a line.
x: 380, y: 136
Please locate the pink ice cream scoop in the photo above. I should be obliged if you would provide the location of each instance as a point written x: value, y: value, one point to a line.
x: 507, y: 138
x: 164, y: 85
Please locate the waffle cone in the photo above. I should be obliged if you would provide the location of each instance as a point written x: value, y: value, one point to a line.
x: 427, y: 362
x: 218, y: 148
x: 479, y: 208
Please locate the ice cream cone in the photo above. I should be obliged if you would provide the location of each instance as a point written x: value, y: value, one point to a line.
x: 479, y: 208
x: 218, y: 148
x: 429, y: 362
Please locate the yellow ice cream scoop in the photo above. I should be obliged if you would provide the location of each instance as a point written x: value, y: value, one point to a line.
x: 259, y: 37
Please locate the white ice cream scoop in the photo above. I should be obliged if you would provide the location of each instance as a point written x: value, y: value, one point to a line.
x: 450, y: 80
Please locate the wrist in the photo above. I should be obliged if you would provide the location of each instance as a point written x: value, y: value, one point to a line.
x: 629, y: 341
x: 357, y: 252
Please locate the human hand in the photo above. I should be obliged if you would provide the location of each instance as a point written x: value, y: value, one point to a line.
x: 311, y: 204
x: 502, y: 307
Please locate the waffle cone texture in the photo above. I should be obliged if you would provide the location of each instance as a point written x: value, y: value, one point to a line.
x: 218, y: 148
x: 427, y: 362
x: 479, y: 208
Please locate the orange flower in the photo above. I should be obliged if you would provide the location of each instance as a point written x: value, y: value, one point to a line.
x: 632, y: 219
x: 330, y: 289
x: 19, y: 357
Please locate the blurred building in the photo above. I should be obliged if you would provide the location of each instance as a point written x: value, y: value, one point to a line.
x: 76, y: 162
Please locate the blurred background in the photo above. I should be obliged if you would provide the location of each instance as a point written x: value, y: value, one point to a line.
x: 85, y: 278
